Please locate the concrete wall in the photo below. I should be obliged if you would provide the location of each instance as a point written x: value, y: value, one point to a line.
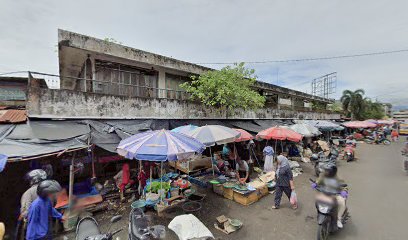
x: 74, y: 48
x: 52, y: 103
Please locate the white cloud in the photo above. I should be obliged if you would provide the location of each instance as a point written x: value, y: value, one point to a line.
x: 213, y: 31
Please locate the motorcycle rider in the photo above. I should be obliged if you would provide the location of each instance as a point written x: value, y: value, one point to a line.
x: 41, y: 210
x: 330, y: 172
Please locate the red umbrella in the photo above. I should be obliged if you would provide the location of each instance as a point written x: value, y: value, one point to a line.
x: 279, y: 133
x: 245, y: 136
x: 359, y: 124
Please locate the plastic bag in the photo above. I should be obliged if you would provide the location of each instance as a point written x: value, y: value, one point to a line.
x: 293, y: 198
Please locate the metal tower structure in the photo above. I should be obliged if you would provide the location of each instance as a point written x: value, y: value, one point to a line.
x: 325, y: 86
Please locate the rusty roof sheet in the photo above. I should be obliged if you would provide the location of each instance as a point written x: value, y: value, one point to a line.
x: 13, y: 116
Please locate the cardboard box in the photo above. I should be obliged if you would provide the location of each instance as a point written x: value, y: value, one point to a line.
x: 263, y: 191
x: 246, y: 199
x: 229, y: 193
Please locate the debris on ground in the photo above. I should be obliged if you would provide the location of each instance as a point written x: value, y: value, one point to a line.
x: 188, y: 226
x: 227, y: 225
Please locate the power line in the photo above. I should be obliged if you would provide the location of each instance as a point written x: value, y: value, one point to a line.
x: 312, y: 58
x: 8, y: 73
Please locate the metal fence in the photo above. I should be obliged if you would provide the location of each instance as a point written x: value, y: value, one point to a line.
x: 116, y: 88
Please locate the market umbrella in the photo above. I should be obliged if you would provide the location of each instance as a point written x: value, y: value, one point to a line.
x: 372, y: 121
x: 279, y: 133
x: 245, y: 136
x: 359, y: 124
x: 3, y: 162
x: 305, y: 129
x: 386, y: 122
x: 159, y: 145
x: 211, y: 135
x: 184, y: 129
x: 324, y: 125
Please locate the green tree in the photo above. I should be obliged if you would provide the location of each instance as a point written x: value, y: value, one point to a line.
x: 353, y: 103
x: 373, y: 110
x: 230, y: 88
x: 335, y: 107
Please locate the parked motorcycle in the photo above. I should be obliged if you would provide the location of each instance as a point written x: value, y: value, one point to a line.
x: 88, y: 229
x: 326, y: 206
x: 371, y: 140
x: 139, y: 228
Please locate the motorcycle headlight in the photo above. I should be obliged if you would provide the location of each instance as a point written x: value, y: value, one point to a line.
x: 323, y: 208
x: 348, y: 153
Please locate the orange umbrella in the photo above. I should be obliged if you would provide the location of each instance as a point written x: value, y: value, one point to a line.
x: 279, y: 133
x: 245, y: 136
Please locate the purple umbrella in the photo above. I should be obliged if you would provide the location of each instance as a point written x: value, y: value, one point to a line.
x: 159, y: 145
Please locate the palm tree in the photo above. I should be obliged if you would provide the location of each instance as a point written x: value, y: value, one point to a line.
x: 353, y: 103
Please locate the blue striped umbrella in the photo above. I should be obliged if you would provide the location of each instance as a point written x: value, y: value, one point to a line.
x: 159, y: 145
x: 186, y: 129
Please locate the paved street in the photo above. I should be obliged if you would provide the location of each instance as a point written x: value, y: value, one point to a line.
x: 379, y: 193
x: 378, y: 189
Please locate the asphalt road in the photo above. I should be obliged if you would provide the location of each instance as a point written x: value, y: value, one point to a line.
x: 377, y: 203
x: 378, y: 194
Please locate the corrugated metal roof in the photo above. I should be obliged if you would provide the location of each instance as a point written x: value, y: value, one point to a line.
x: 14, y: 116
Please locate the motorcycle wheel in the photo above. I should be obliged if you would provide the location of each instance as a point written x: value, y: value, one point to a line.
x: 323, y: 231
x: 386, y: 142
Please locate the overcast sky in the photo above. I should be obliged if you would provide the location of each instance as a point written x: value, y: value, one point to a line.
x: 227, y: 31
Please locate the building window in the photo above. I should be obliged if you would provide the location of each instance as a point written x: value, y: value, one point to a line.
x: 174, y: 91
x: 119, y: 79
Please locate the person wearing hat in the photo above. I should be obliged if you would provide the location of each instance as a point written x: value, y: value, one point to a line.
x: 41, y: 210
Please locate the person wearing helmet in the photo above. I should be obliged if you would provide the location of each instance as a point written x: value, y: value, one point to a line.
x: 330, y: 173
x: 34, y: 177
x: 41, y: 210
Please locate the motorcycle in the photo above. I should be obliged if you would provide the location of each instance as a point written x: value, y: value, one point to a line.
x: 326, y: 206
x: 88, y: 229
x: 349, y: 153
x: 322, y: 161
x: 139, y: 228
x: 371, y: 140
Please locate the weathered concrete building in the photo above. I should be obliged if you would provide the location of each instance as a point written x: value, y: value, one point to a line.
x: 101, y: 79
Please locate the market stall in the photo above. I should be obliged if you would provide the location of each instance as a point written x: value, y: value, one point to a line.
x: 161, y: 146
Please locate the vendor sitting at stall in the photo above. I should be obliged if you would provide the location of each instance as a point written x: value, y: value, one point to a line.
x: 242, y: 171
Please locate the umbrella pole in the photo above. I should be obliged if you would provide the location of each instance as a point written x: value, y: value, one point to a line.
x: 276, y: 143
x: 282, y: 145
x: 161, y: 181
x: 151, y: 173
x: 212, y: 163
